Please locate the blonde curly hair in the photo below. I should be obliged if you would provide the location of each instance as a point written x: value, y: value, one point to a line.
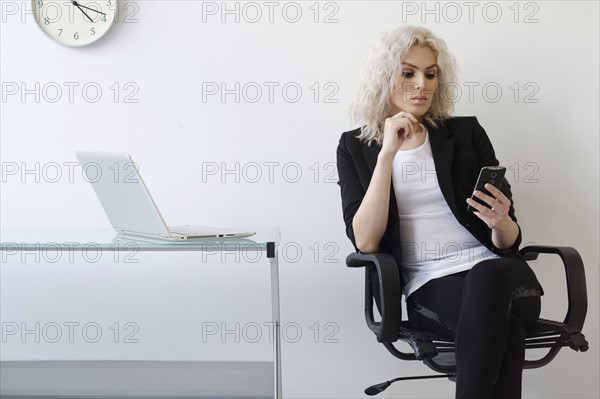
x: 381, y: 71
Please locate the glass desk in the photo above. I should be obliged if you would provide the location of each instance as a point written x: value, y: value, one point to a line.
x: 15, y: 241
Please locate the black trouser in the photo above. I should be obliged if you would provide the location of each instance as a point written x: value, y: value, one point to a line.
x: 486, y: 311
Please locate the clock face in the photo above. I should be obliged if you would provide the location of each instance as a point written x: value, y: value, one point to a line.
x: 73, y: 22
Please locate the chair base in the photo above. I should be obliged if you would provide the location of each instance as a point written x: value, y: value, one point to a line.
x: 378, y: 388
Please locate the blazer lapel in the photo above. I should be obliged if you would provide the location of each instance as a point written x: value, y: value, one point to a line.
x: 442, y: 148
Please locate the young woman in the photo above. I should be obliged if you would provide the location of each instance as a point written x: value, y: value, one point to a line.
x: 406, y: 178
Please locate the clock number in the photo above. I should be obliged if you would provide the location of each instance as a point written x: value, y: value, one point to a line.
x: 46, y: 21
x: 60, y: 32
x: 109, y: 3
x: 76, y: 36
x: 40, y: 3
x: 93, y: 31
x: 104, y: 18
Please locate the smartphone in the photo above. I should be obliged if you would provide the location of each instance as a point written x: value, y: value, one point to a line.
x: 488, y: 174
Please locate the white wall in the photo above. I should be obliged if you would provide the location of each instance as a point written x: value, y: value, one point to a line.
x: 549, y: 140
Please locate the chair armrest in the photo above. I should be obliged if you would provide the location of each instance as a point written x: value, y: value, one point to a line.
x: 575, y: 275
x: 390, y: 293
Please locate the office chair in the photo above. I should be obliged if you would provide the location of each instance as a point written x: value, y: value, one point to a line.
x: 438, y: 352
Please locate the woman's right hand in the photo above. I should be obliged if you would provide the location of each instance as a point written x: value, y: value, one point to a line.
x: 398, y: 128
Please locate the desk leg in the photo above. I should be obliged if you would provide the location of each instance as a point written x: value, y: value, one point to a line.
x: 276, y: 326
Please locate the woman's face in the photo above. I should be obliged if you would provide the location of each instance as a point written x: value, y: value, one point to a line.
x: 417, y: 83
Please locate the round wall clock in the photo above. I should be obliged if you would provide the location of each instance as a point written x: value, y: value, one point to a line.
x: 75, y: 23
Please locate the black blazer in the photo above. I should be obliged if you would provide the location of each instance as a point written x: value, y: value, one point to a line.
x: 460, y: 148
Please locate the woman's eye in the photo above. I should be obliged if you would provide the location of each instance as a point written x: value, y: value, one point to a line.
x: 411, y: 74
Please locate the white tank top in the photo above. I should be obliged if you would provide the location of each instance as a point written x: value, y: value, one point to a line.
x: 434, y: 243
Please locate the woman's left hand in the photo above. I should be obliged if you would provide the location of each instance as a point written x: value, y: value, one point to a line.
x: 496, y: 217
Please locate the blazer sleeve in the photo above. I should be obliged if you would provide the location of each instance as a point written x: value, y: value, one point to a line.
x: 487, y: 157
x: 351, y: 189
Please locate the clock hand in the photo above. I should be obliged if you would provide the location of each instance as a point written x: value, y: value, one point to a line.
x: 89, y: 8
x: 76, y: 4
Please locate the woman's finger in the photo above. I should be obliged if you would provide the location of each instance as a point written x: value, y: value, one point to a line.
x: 484, y: 197
x: 408, y: 115
x: 496, y: 193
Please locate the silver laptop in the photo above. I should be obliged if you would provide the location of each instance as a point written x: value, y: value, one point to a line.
x: 128, y: 203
